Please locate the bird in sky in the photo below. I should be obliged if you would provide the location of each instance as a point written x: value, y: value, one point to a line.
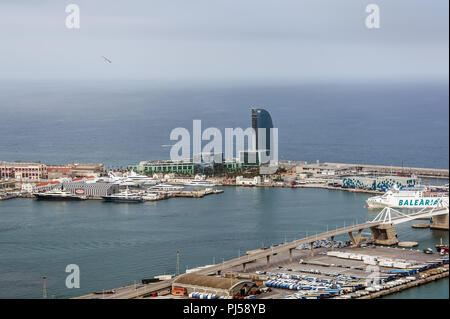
x: 106, y: 59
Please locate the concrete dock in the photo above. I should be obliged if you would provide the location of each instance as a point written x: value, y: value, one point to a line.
x: 382, y: 169
x: 292, y: 260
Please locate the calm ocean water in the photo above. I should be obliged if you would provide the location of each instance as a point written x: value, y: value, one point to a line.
x: 122, y: 123
x: 119, y: 123
x: 117, y: 244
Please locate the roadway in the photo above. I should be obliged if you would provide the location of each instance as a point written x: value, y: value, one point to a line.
x: 129, y: 292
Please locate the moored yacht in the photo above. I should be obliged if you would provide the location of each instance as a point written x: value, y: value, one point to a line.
x: 200, y: 183
x: 124, y: 197
x: 58, y: 195
x: 167, y: 187
x: 139, y: 180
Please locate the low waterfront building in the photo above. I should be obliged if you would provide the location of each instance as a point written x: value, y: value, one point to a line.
x: 46, y: 186
x: 152, y: 167
x: 59, y: 171
x: 219, y: 287
x: 248, y: 181
x: 382, y: 183
x: 23, y: 171
x: 74, y: 170
x: 91, y: 189
x: 189, y: 167
x: 322, y: 169
x: 84, y: 170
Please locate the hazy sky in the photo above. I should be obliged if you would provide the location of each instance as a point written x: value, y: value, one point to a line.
x: 224, y: 40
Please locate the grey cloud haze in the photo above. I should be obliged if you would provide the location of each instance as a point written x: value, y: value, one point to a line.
x: 224, y: 40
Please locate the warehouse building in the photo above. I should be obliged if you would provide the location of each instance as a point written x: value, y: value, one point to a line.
x: 220, y: 287
x: 91, y: 189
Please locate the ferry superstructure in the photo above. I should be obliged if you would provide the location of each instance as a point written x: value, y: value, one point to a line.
x: 409, y: 197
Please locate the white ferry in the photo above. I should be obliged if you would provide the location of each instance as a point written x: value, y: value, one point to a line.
x: 410, y: 197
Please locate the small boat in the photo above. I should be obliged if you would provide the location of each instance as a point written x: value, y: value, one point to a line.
x: 200, y: 183
x: 428, y: 251
x: 442, y: 249
x: 150, y: 196
x: 166, y: 187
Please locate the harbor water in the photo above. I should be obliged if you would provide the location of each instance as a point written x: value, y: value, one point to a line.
x: 119, y: 244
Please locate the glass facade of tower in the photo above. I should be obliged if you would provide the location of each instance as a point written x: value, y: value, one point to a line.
x: 262, y: 119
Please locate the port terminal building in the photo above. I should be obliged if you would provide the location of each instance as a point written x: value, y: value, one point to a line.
x: 214, y: 286
x: 91, y: 189
x: 78, y: 188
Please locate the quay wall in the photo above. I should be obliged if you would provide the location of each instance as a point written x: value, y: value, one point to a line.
x: 408, y: 285
x: 380, y: 169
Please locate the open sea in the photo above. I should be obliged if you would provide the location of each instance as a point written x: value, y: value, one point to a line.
x: 123, y: 123
x: 119, y: 123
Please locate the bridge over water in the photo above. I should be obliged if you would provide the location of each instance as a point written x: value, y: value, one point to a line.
x: 382, y: 229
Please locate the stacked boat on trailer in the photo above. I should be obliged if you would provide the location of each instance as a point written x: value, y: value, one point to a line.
x: 197, y: 295
x: 310, y: 287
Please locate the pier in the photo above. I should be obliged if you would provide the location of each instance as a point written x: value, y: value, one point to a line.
x: 383, y: 233
x: 398, y: 170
